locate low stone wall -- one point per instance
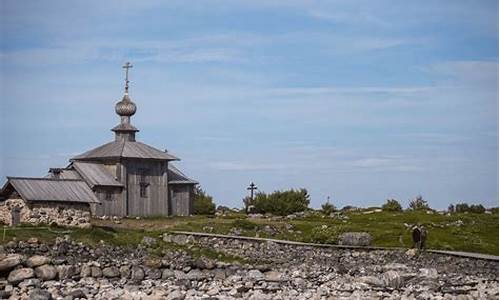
(69, 269)
(62, 214)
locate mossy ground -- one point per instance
(458, 232)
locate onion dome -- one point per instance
(125, 107)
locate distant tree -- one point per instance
(462, 207)
(451, 208)
(392, 205)
(203, 203)
(282, 202)
(327, 208)
(494, 210)
(477, 208)
(418, 204)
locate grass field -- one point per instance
(459, 232)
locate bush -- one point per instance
(473, 208)
(203, 203)
(328, 208)
(392, 205)
(282, 202)
(244, 224)
(451, 208)
(462, 207)
(418, 204)
(325, 234)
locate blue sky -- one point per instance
(357, 100)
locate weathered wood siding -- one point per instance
(181, 199)
(115, 206)
(156, 202)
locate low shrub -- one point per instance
(419, 204)
(392, 205)
(244, 224)
(281, 203)
(203, 203)
(325, 234)
(328, 208)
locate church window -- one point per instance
(143, 183)
(108, 196)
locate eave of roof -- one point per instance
(52, 189)
(125, 149)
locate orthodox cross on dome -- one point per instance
(126, 67)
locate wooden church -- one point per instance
(126, 177)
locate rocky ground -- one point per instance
(169, 269)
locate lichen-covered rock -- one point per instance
(355, 239)
(137, 273)
(67, 271)
(21, 274)
(111, 272)
(46, 272)
(39, 294)
(10, 261)
(37, 260)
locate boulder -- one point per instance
(96, 272)
(274, 276)
(67, 271)
(149, 241)
(125, 271)
(77, 294)
(111, 272)
(19, 275)
(428, 273)
(86, 271)
(37, 260)
(392, 279)
(46, 272)
(10, 262)
(255, 275)
(355, 239)
(39, 294)
(154, 274)
(167, 273)
(137, 273)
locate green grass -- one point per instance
(479, 232)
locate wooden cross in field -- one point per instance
(252, 188)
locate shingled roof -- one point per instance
(175, 176)
(50, 189)
(125, 149)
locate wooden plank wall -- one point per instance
(156, 204)
(181, 200)
(116, 206)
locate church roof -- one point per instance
(50, 189)
(96, 174)
(175, 176)
(124, 149)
